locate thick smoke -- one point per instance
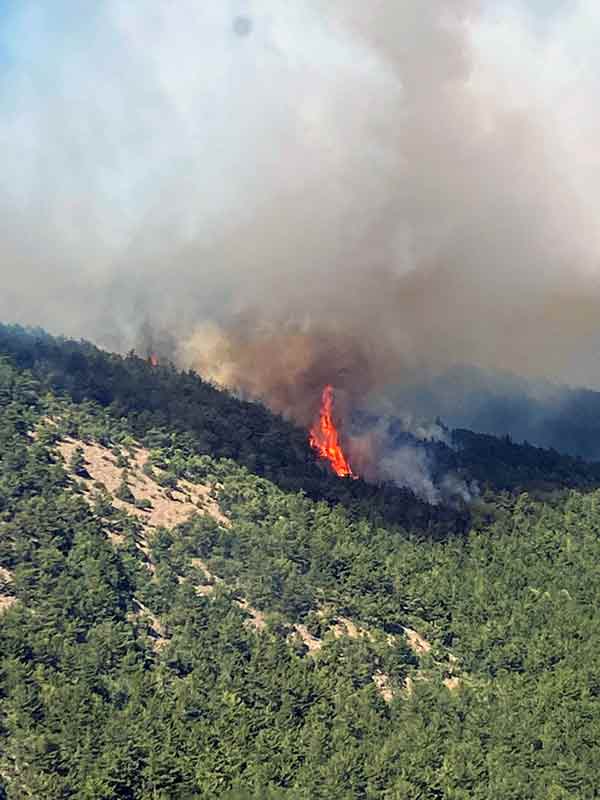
(378, 458)
(401, 450)
(288, 194)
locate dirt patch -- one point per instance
(204, 591)
(313, 643)
(168, 508)
(155, 626)
(164, 507)
(452, 684)
(6, 602)
(5, 576)
(384, 686)
(416, 642)
(344, 627)
(213, 580)
(256, 618)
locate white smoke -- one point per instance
(387, 449)
(410, 467)
(340, 190)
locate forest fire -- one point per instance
(324, 437)
(153, 359)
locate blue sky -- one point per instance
(37, 29)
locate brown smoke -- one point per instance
(285, 366)
(347, 192)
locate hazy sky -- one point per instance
(284, 192)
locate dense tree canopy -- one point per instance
(127, 671)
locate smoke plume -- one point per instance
(402, 450)
(294, 194)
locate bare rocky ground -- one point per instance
(171, 507)
(6, 599)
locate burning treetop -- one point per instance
(324, 437)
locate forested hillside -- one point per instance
(496, 402)
(191, 608)
(207, 421)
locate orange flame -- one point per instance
(324, 437)
(153, 359)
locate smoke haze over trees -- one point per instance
(341, 642)
(346, 189)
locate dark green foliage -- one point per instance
(77, 464)
(118, 682)
(123, 491)
(161, 404)
(121, 461)
(167, 479)
(504, 464)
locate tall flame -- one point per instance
(324, 437)
(153, 359)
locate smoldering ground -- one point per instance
(296, 193)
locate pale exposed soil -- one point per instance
(313, 643)
(210, 576)
(6, 600)
(345, 627)
(169, 507)
(384, 686)
(452, 684)
(205, 590)
(173, 507)
(256, 619)
(5, 576)
(156, 628)
(416, 642)
(420, 647)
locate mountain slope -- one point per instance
(159, 402)
(231, 638)
(497, 403)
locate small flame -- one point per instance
(153, 359)
(324, 437)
